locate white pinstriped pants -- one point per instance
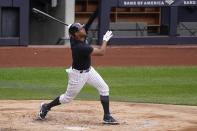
(77, 80)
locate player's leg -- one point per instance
(72, 91)
(75, 84)
(95, 80)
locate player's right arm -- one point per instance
(101, 51)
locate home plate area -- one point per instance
(22, 115)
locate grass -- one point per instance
(167, 85)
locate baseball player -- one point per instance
(82, 72)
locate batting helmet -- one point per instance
(74, 28)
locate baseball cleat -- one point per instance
(108, 119)
(43, 111)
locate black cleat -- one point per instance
(108, 119)
(43, 111)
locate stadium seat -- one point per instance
(120, 29)
(187, 29)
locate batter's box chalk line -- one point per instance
(76, 128)
(146, 125)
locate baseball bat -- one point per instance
(49, 16)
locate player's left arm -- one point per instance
(91, 19)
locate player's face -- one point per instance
(80, 35)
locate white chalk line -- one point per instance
(77, 128)
(81, 128)
(146, 125)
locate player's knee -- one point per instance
(65, 99)
(104, 91)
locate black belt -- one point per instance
(82, 71)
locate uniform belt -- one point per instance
(82, 71)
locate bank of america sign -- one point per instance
(142, 3)
(156, 2)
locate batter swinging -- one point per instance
(82, 72)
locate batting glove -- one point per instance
(107, 36)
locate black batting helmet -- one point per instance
(74, 28)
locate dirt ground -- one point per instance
(87, 115)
